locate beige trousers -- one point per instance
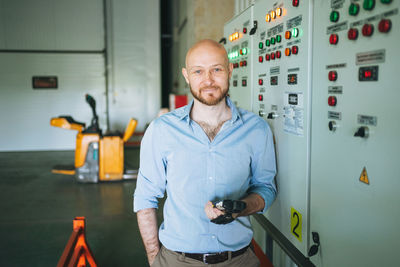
(168, 258)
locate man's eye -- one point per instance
(197, 72)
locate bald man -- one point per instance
(206, 152)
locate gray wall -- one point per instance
(74, 25)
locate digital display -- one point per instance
(274, 80)
(292, 79)
(235, 83)
(367, 74)
(293, 99)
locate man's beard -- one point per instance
(213, 100)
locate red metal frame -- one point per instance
(77, 252)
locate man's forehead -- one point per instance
(206, 50)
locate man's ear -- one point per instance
(185, 74)
(230, 68)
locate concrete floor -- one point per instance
(37, 209)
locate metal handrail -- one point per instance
(298, 258)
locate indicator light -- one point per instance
(260, 45)
(260, 59)
(295, 2)
(260, 97)
(367, 30)
(272, 40)
(334, 17)
(260, 81)
(295, 32)
(369, 4)
(288, 51)
(333, 39)
(236, 65)
(385, 25)
(241, 52)
(244, 51)
(278, 38)
(267, 42)
(273, 15)
(352, 34)
(295, 49)
(244, 83)
(236, 35)
(244, 30)
(278, 12)
(332, 101)
(278, 54)
(245, 63)
(230, 38)
(354, 8)
(241, 63)
(267, 57)
(273, 56)
(288, 34)
(267, 18)
(332, 75)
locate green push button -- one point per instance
(260, 45)
(369, 4)
(278, 38)
(386, 1)
(273, 40)
(354, 9)
(334, 16)
(267, 42)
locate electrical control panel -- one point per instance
(281, 81)
(238, 46)
(323, 75)
(355, 146)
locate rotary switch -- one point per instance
(362, 132)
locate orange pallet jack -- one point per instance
(98, 157)
(77, 252)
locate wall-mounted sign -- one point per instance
(44, 82)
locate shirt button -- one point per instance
(210, 178)
(213, 236)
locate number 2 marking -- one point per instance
(297, 224)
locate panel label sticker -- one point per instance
(371, 57)
(295, 223)
(335, 89)
(293, 113)
(367, 120)
(334, 115)
(364, 176)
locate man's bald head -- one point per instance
(206, 46)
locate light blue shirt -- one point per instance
(177, 157)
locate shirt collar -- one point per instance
(185, 111)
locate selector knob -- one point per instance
(261, 113)
(272, 115)
(332, 126)
(362, 132)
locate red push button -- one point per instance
(273, 56)
(244, 83)
(267, 57)
(368, 30)
(260, 81)
(244, 62)
(278, 54)
(260, 97)
(244, 30)
(352, 34)
(295, 2)
(333, 39)
(332, 101)
(295, 49)
(260, 59)
(241, 63)
(332, 75)
(385, 25)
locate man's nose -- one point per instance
(209, 78)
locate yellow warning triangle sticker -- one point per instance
(364, 176)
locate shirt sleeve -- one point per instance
(151, 179)
(263, 168)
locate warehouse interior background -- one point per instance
(336, 144)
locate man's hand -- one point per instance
(212, 212)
